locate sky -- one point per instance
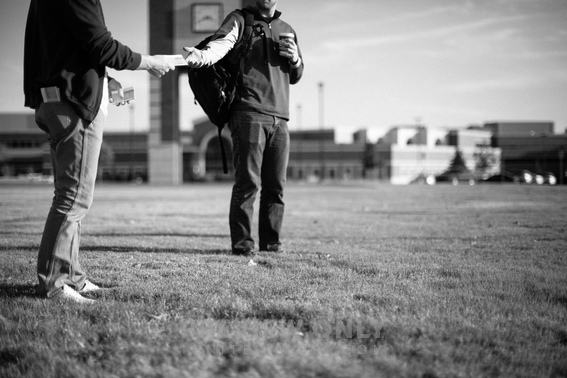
(439, 63)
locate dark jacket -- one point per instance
(67, 45)
(267, 75)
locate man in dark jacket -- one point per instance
(67, 49)
(258, 123)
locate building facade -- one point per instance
(531, 146)
(402, 155)
(407, 153)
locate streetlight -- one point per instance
(299, 141)
(561, 172)
(132, 157)
(321, 86)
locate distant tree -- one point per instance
(458, 163)
(484, 158)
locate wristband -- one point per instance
(296, 64)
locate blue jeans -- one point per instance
(75, 147)
(260, 146)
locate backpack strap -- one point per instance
(248, 27)
(223, 152)
(241, 49)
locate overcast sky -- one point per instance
(443, 63)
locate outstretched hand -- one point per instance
(158, 65)
(194, 58)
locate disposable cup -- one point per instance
(284, 36)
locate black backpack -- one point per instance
(215, 87)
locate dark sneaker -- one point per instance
(244, 253)
(274, 248)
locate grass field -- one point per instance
(376, 281)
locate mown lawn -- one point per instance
(376, 281)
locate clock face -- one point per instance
(206, 17)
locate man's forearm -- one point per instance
(214, 51)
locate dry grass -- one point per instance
(377, 280)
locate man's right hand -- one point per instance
(157, 65)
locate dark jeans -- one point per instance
(260, 153)
(75, 148)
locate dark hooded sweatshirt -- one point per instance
(67, 45)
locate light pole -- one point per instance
(321, 86)
(418, 145)
(561, 172)
(299, 143)
(132, 122)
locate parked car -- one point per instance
(424, 179)
(524, 176)
(502, 177)
(538, 178)
(546, 178)
(527, 177)
(456, 178)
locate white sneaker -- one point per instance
(71, 295)
(89, 287)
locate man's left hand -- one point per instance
(194, 58)
(288, 49)
(115, 86)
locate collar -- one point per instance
(257, 14)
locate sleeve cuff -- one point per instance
(136, 61)
(296, 64)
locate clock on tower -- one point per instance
(206, 17)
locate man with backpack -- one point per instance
(258, 119)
